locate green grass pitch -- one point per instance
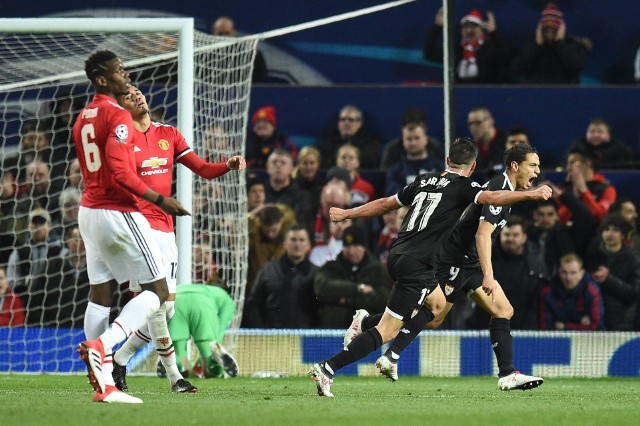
(362, 401)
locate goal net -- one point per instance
(42, 89)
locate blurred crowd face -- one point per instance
(612, 238)
(629, 212)
(297, 244)
(333, 195)
(38, 177)
(34, 140)
(255, 196)
(414, 141)
(75, 244)
(481, 125)
(348, 158)
(354, 253)
(349, 122)
(336, 229)
(74, 174)
(598, 134)
(308, 166)
(279, 167)
(513, 239)
(39, 230)
(570, 274)
(470, 32)
(263, 129)
(224, 27)
(545, 217)
(516, 139)
(271, 232)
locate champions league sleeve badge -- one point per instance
(122, 132)
(495, 210)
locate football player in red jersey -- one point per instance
(117, 236)
(157, 147)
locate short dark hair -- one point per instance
(518, 153)
(297, 227)
(518, 130)
(413, 114)
(516, 220)
(618, 222)
(545, 203)
(463, 151)
(270, 215)
(96, 64)
(617, 205)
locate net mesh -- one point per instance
(42, 89)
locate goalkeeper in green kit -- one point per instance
(204, 312)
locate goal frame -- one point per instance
(185, 29)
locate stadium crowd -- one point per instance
(569, 263)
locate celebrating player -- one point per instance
(465, 265)
(157, 146)
(437, 200)
(117, 236)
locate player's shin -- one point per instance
(408, 333)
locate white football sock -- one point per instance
(136, 341)
(133, 316)
(96, 320)
(164, 345)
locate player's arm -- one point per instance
(372, 208)
(211, 170)
(504, 198)
(483, 245)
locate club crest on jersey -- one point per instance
(163, 144)
(448, 289)
(122, 133)
(495, 210)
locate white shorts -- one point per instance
(119, 246)
(166, 242)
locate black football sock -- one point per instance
(408, 333)
(359, 347)
(502, 343)
(370, 321)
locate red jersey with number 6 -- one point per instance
(103, 138)
(155, 152)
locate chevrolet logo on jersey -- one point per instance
(154, 163)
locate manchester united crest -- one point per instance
(163, 144)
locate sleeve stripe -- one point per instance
(183, 153)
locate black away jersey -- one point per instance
(436, 202)
(461, 243)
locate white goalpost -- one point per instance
(198, 82)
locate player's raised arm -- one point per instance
(372, 208)
(504, 197)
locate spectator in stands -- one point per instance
(265, 138)
(74, 175)
(607, 152)
(255, 193)
(491, 141)
(69, 202)
(616, 269)
(333, 194)
(322, 253)
(281, 189)
(482, 56)
(552, 238)
(415, 160)
(28, 262)
(394, 149)
(38, 190)
(572, 301)
(361, 191)
(585, 197)
(519, 269)
(64, 108)
(350, 130)
(225, 27)
(389, 234)
(11, 309)
(355, 280)
(63, 293)
(627, 209)
(267, 228)
(282, 294)
(554, 57)
(13, 227)
(307, 174)
(35, 144)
